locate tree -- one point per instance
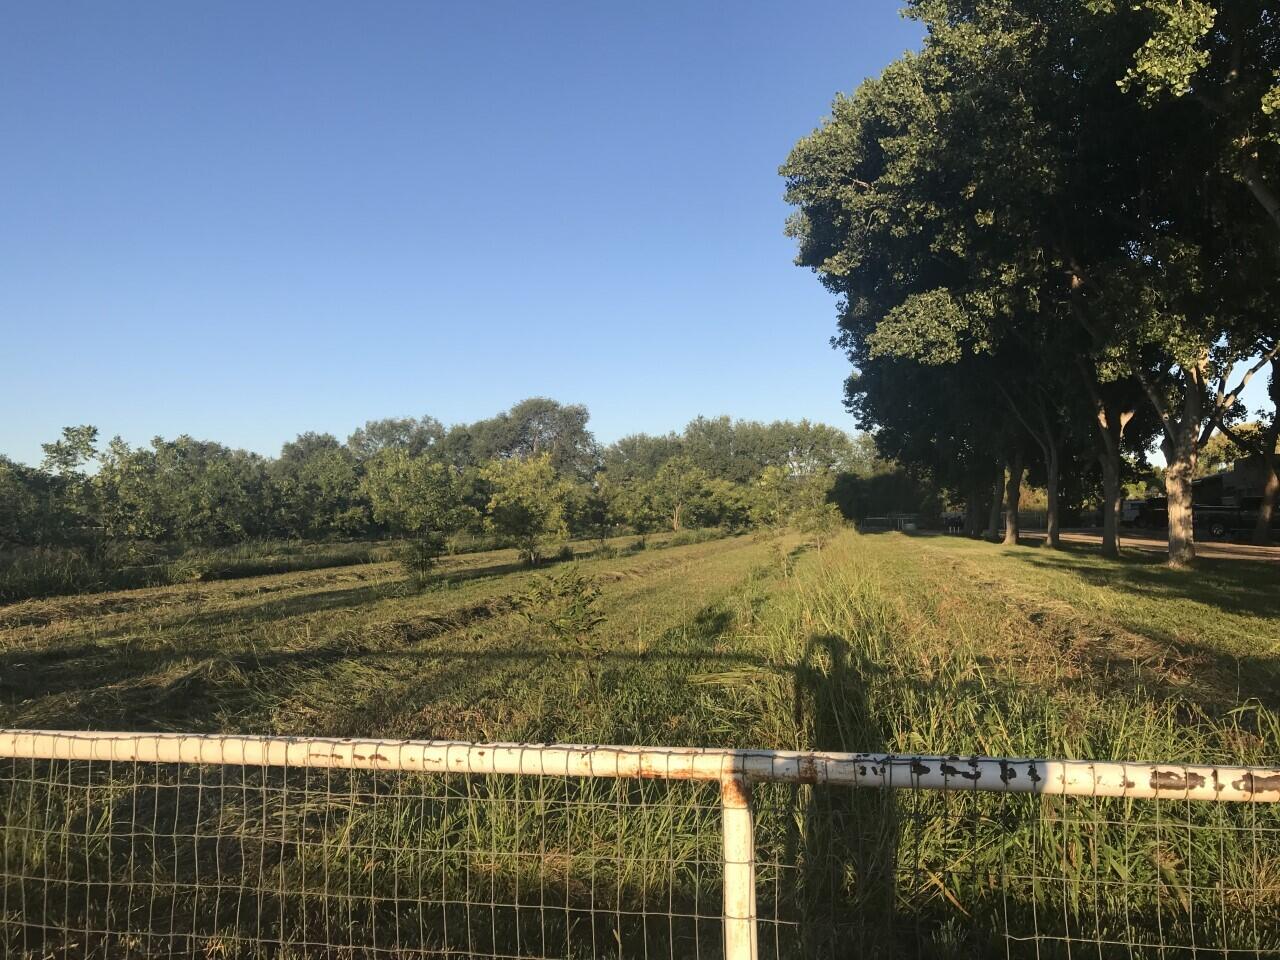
(679, 491)
(1225, 449)
(1225, 58)
(28, 507)
(414, 437)
(527, 503)
(812, 509)
(771, 497)
(76, 448)
(634, 503)
(1001, 195)
(317, 487)
(532, 428)
(417, 499)
(639, 455)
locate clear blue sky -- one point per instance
(245, 220)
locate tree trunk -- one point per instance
(1112, 418)
(1053, 468)
(1271, 490)
(1112, 493)
(1177, 490)
(1013, 497)
(1179, 447)
(997, 501)
(973, 510)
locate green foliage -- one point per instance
(415, 496)
(419, 499)
(563, 606)
(418, 555)
(1020, 244)
(527, 504)
(679, 492)
(813, 512)
(1171, 56)
(76, 448)
(470, 487)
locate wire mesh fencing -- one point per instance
(132, 845)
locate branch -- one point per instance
(1240, 440)
(1021, 419)
(1261, 191)
(1166, 420)
(1225, 401)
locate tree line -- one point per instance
(530, 476)
(1054, 235)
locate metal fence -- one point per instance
(133, 845)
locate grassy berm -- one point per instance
(881, 643)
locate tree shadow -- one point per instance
(1248, 587)
(1218, 678)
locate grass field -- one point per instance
(876, 643)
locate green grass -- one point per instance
(881, 643)
(52, 571)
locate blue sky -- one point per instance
(242, 221)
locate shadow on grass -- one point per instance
(845, 843)
(1247, 587)
(1236, 587)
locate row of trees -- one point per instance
(531, 476)
(1054, 233)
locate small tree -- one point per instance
(679, 491)
(64, 458)
(633, 502)
(527, 504)
(812, 511)
(563, 606)
(770, 498)
(419, 500)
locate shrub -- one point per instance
(562, 606)
(418, 555)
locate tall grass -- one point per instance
(875, 644)
(887, 661)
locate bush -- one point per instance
(682, 538)
(418, 555)
(45, 571)
(562, 606)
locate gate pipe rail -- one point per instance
(1023, 775)
(733, 770)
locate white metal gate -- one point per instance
(135, 844)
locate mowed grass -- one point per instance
(358, 651)
(882, 643)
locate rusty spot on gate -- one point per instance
(736, 792)
(919, 769)
(1175, 780)
(1253, 783)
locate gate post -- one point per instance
(740, 937)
